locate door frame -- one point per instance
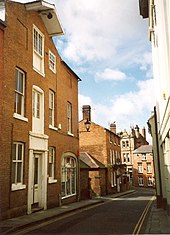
(43, 193)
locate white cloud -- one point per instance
(110, 75)
(100, 29)
(127, 109)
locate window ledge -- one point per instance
(70, 195)
(18, 187)
(51, 180)
(53, 128)
(42, 74)
(69, 133)
(20, 117)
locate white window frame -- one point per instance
(52, 62)
(140, 181)
(124, 157)
(113, 178)
(51, 108)
(69, 176)
(69, 118)
(20, 92)
(149, 167)
(144, 158)
(128, 157)
(150, 181)
(17, 184)
(51, 162)
(140, 168)
(38, 51)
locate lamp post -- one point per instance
(87, 124)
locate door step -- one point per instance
(36, 209)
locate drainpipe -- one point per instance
(157, 146)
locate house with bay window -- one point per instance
(39, 112)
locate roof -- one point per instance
(71, 70)
(48, 13)
(143, 149)
(90, 161)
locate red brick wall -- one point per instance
(145, 175)
(18, 52)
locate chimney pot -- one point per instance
(86, 109)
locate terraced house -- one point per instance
(39, 119)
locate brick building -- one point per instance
(129, 142)
(143, 167)
(39, 99)
(104, 146)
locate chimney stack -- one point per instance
(113, 127)
(86, 109)
(137, 131)
(143, 132)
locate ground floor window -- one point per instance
(140, 181)
(150, 181)
(68, 176)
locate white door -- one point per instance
(37, 179)
(37, 112)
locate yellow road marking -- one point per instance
(142, 217)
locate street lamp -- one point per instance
(87, 124)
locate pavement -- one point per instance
(158, 221)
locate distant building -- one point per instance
(129, 141)
(39, 146)
(143, 167)
(103, 145)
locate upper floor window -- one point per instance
(19, 103)
(123, 144)
(149, 169)
(69, 117)
(144, 157)
(38, 50)
(52, 61)
(51, 108)
(17, 165)
(140, 169)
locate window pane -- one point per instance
(14, 152)
(13, 172)
(19, 165)
(19, 152)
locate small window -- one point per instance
(69, 117)
(140, 169)
(140, 181)
(17, 164)
(123, 144)
(149, 169)
(51, 108)
(144, 157)
(52, 61)
(150, 181)
(51, 163)
(19, 104)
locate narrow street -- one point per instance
(125, 215)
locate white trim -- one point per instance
(52, 180)
(53, 128)
(20, 117)
(15, 187)
(69, 133)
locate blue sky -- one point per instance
(106, 44)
